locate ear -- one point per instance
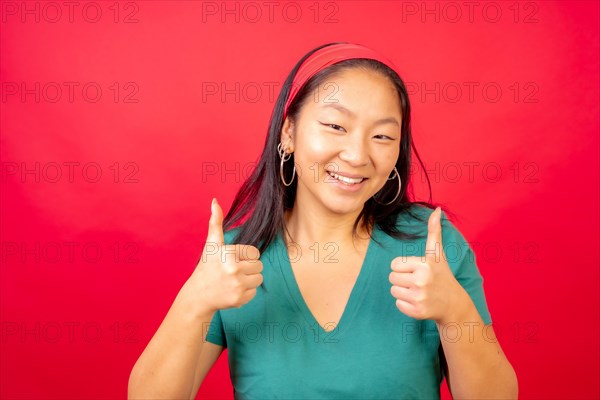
(287, 133)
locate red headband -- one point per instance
(327, 56)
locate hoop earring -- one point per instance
(284, 157)
(397, 194)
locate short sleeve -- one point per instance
(463, 263)
(469, 277)
(216, 333)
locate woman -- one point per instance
(336, 285)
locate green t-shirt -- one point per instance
(277, 350)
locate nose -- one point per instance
(355, 152)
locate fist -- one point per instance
(227, 275)
(425, 287)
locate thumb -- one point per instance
(433, 247)
(215, 225)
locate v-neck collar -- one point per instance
(356, 295)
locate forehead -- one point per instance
(365, 92)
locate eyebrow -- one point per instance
(342, 109)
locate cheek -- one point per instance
(313, 149)
(385, 162)
(386, 157)
(316, 142)
(392, 157)
(392, 164)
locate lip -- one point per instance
(345, 175)
(348, 188)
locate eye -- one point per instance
(333, 126)
(385, 136)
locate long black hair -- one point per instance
(264, 198)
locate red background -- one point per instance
(73, 328)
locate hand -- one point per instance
(227, 275)
(426, 289)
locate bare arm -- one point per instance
(175, 361)
(208, 356)
(167, 367)
(474, 363)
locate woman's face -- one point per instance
(350, 127)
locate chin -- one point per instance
(344, 208)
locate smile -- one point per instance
(344, 180)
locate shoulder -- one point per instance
(416, 220)
(231, 234)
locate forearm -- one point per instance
(477, 366)
(167, 365)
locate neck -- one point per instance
(307, 226)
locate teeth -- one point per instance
(343, 179)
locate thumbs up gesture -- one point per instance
(227, 275)
(425, 287)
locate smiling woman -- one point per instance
(338, 284)
(347, 112)
(358, 137)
